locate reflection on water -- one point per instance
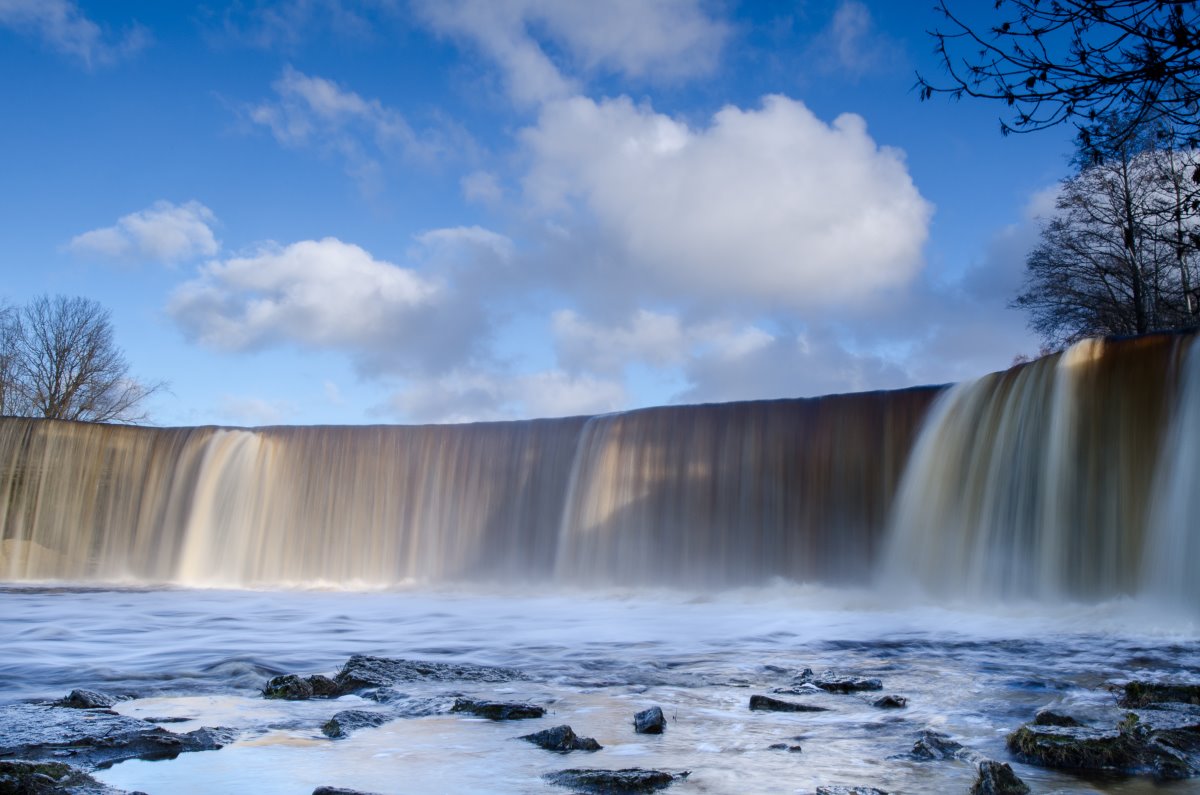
(594, 660)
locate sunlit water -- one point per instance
(595, 659)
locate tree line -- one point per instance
(1121, 253)
(59, 360)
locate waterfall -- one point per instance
(1040, 481)
(1074, 476)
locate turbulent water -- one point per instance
(1025, 539)
(595, 658)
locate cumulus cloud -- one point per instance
(164, 232)
(535, 42)
(63, 25)
(314, 112)
(771, 207)
(331, 295)
(480, 395)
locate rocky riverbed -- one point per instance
(528, 694)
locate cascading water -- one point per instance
(1040, 481)
(1074, 475)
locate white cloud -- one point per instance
(286, 25)
(479, 396)
(365, 133)
(498, 245)
(164, 232)
(851, 44)
(326, 294)
(654, 338)
(482, 187)
(64, 26)
(769, 207)
(535, 41)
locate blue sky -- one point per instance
(339, 211)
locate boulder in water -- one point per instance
(1049, 717)
(934, 746)
(497, 710)
(49, 778)
(339, 791)
(768, 704)
(94, 738)
(997, 778)
(630, 780)
(562, 739)
(650, 721)
(289, 687)
(832, 682)
(362, 671)
(1141, 694)
(890, 702)
(348, 720)
(849, 791)
(86, 699)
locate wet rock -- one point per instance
(806, 689)
(361, 672)
(1140, 694)
(784, 747)
(339, 791)
(849, 791)
(831, 682)
(997, 778)
(1048, 717)
(768, 704)
(94, 738)
(86, 699)
(50, 778)
(650, 721)
(1162, 741)
(931, 745)
(323, 687)
(562, 739)
(890, 702)
(289, 687)
(614, 782)
(348, 720)
(497, 710)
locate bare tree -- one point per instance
(1053, 61)
(65, 365)
(8, 342)
(1117, 257)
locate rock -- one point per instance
(338, 791)
(86, 699)
(650, 721)
(497, 710)
(931, 745)
(1048, 717)
(94, 738)
(562, 739)
(766, 703)
(361, 672)
(49, 778)
(1141, 694)
(784, 747)
(289, 687)
(323, 687)
(849, 791)
(1164, 743)
(614, 782)
(890, 702)
(831, 682)
(997, 778)
(348, 720)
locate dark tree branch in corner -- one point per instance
(1079, 61)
